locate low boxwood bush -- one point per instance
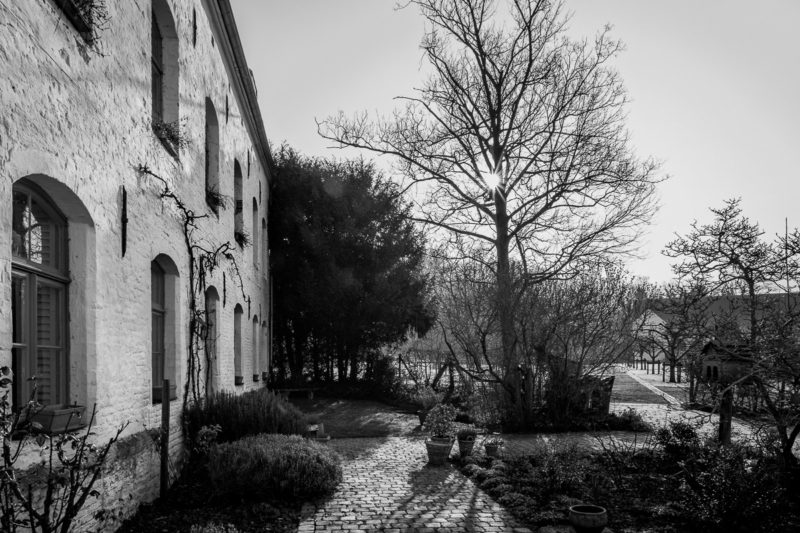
(240, 415)
(274, 465)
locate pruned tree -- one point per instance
(516, 146)
(569, 332)
(681, 331)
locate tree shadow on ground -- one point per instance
(441, 493)
(358, 418)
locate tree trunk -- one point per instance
(726, 415)
(505, 302)
(341, 362)
(353, 366)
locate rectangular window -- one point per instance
(38, 307)
(157, 61)
(158, 326)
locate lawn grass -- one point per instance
(628, 390)
(358, 418)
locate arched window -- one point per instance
(264, 350)
(164, 71)
(264, 245)
(213, 197)
(212, 335)
(164, 325)
(237, 344)
(238, 217)
(39, 288)
(254, 350)
(255, 233)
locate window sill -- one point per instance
(168, 145)
(79, 19)
(158, 396)
(214, 201)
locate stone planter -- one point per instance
(438, 450)
(588, 518)
(57, 420)
(465, 446)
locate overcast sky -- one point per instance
(714, 88)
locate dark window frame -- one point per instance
(157, 69)
(25, 333)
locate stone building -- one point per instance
(107, 106)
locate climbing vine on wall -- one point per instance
(204, 259)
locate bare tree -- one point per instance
(569, 332)
(681, 332)
(516, 142)
(731, 255)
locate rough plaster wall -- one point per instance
(83, 119)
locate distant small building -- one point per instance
(726, 363)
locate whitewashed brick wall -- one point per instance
(78, 123)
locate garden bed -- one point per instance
(190, 506)
(643, 489)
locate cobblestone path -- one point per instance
(388, 487)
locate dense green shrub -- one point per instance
(732, 489)
(627, 420)
(277, 465)
(426, 398)
(679, 440)
(559, 470)
(239, 415)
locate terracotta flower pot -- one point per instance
(438, 450)
(492, 450)
(588, 518)
(465, 446)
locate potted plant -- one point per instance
(492, 445)
(317, 432)
(427, 399)
(588, 518)
(466, 440)
(57, 419)
(439, 423)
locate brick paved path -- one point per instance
(388, 487)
